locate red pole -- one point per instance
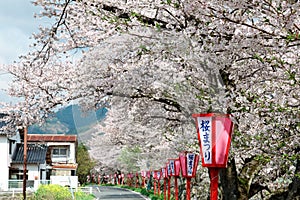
(165, 188)
(154, 187)
(136, 181)
(143, 181)
(169, 188)
(188, 188)
(214, 178)
(158, 185)
(176, 188)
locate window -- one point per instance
(59, 152)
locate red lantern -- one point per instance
(188, 162)
(177, 167)
(169, 172)
(174, 165)
(157, 176)
(143, 174)
(164, 172)
(137, 179)
(148, 174)
(129, 177)
(214, 135)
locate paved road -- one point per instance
(112, 193)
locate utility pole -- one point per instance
(25, 163)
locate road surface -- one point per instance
(112, 193)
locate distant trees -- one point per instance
(85, 163)
(129, 159)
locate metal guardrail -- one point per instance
(16, 188)
(18, 184)
(13, 192)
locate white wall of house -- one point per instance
(71, 181)
(33, 170)
(4, 162)
(71, 158)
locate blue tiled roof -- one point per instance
(36, 153)
(2, 123)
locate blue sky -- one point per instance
(17, 25)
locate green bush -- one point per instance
(137, 190)
(52, 192)
(83, 196)
(57, 192)
(145, 192)
(156, 197)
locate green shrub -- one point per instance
(52, 192)
(57, 192)
(139, 190)
(156, 197)
(144, 192)
(83, 196)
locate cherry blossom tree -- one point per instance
(154, 63)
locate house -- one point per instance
(4, 157)
(49, 156)
(36, 154)
(60, 159)
(4, 161)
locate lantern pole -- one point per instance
(164, 175)
(176, 187)
(136, 179)
(188, 188)
(175, 171)
(188, 162)
(214, 178)
(165, 189)
(143, 179)
(177, 174)
(157, 176)
(169, 188)
(158, 185)
(154, 186)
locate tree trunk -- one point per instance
(294, 187)
(229, 181)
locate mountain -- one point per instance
(69, 120)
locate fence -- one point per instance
(16, 187)
(18, 184)
(87, 190)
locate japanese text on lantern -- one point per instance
(190, 163)
(163, 171)
(169, 169)
(172, 165)
(206, 138)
